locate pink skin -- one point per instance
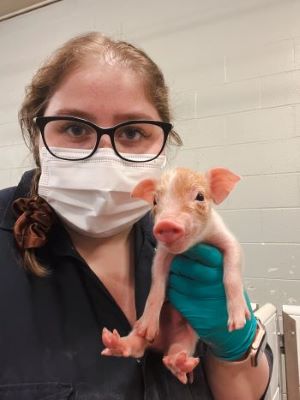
(182, 219)
(177, 340)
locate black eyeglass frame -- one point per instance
(42, 121)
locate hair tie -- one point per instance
(35, 218)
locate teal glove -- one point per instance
(196, 290)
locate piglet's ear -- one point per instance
(145, 190)
(221, 182)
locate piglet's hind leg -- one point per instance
(181, 365)
(181, 339)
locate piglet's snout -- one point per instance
(167, 231)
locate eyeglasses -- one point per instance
(128, 139)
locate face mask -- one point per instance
(92, 196)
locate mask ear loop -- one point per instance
(164, 164)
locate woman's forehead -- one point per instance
(102, 90)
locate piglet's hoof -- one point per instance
(115, 345)
(181, 365)
(237, 317)
(131, 345)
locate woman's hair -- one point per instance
(70, 56)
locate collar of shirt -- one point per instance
(8, 218)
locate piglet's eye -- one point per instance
(154, 201)
(199, 197)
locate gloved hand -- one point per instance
(196, 290)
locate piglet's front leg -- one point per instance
(236, 304)
(148, 325)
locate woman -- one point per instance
(76, 250)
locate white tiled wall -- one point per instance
(233, 68)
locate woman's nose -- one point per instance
(105, 142)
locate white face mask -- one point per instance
(92, 196)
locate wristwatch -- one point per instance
(254, 352)
(258, 345)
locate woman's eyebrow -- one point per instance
(75, 113)
(121, 117)
(134, 116)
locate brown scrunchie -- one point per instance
(35, 218)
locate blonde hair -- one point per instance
(71, 55)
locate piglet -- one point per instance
(183, 214)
